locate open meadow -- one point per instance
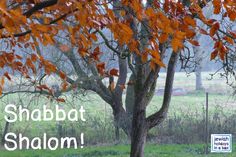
(182, 131)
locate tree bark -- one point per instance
(139, 129)
(198, 70)
(198, 74)
(138, 138)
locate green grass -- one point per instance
(97, 111)
(151, 150)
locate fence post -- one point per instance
(206, 127)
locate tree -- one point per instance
(143, 35)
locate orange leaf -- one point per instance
(41, 28)
(194, 42)
(189, 21)
(233, 34)
(7, 76)
(217, 6)
(3, 8)
(176, 44)
(214, 54)
(144, 57)
(180, 35)
(229, 40)
(30, 64)
(64, 86)
(163, 38)
(101, 68)
(96, 53)
(60, 100)
(114, 72)
(62, 75)
(190, 33)
(214, 29)
(2, 81)
(222, 52)
(232, 15)
(41, 87)
(34, 57)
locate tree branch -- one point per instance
(107, 43)
(37, 7)
(160, 115)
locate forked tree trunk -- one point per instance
(141, 124)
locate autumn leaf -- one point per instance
(233, 33)
(96, 54)
(232, 15)
(114, 72)
(64, 86)
(101, 67)
(62, 75)
(229, 40)
(7, 76)
(214, 29)
(214, 54)
(180, 35)
(176, 44)
(222, 52)
(2, 81)
(42, 87)
(9, 57)
(217, 6)
(3, 8)
(194, 42)
(163, 38)
(189, 21)
(34, 57)
(60, 100)
(190, 33)
(30, 64)
(144, 57)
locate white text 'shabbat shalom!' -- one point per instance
(15, 113)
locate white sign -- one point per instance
(221, 143)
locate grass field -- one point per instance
(99, 125)
(120, 151)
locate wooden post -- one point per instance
(206, 127)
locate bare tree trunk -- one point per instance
(198, 70)
(139, 133)
(198, 74)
